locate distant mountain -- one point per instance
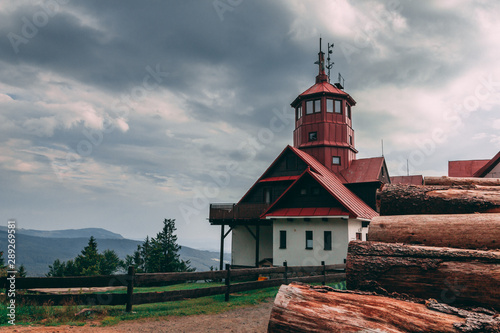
(36, 253)
(69, 233)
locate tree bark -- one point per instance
(301, 308)
(454, 181)
(411, 199)
(466, 231)
(458, 276)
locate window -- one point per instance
(338, 108)
(348, 111)
(299, 112)
(328, 240)
(329, 105)
(358, 236)
(315, 190)
(313, 136)
(282, 239)
(291, 162)
(309, 240)
(303, 191)
(350, 140)
(336, 160)
(267, 195)
(309, 107)
(317, 105)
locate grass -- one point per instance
(111, 315)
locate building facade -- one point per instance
(315, 197)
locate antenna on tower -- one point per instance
(382, 147)
(329, 64)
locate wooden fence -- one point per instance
(276, 276)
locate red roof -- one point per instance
(323, 87)
(352, 203)
(277, 179)
(488, 166)
(322, 211)
(408, 180)
(465, 168)
(356, 207)
(363, 170)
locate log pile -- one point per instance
(458, 276)
(301, 308)
(463, 231)
(435, 245)
(438, 199)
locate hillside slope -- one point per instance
(37, 253)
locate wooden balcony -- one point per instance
(228, 213)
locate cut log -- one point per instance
(411, 199)
(301, 308)
(466, 231)
(458, 276)
(453, 181)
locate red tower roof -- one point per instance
(322, 88)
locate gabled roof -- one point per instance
(488, 166)
(356, 207)
(465, 168)
(363, 170)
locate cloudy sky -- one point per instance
(118, 114)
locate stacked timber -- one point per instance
(463, 231)
(458, 276)
(301, 308)
(445, 196)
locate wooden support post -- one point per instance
(257, 245)
(324, 273)
(228, 282)
(221, 262)
(285, 274)
(130, 288)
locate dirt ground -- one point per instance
(249, 319)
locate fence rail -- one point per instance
(277, 276)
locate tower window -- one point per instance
(317, 106)
(350, 140)
(348, 107)
(309, 239)
(336, 160)
(329, 105)
(282, 239)
(299, 112)
(313, 136)
(309, 107)
(338, 106)
(328, 240)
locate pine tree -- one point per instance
(21, 272)
(110, 262)
(164, 251)
(88, 262)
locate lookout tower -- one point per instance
(323, 121)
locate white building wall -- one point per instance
(296, 253)
(494, 173)
(356, 226)
(243, 245)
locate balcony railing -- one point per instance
(231, 211)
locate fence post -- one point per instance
(228, 282)
(130, 288)
(324, 272)
(285, 274)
